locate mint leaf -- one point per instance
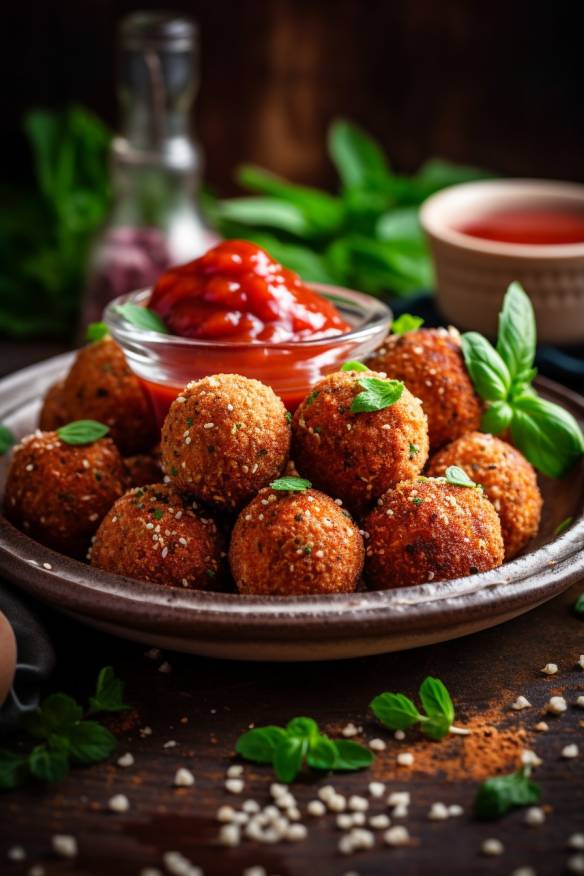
(14, 770)
(304, 728)
(288, 758)
(395, 710)
(354, 366)
(436, 699)
(90, 742)
(291, 483)
(82, 432)
(486, 368)
(96, 331)
(109, 693)
(378, 395)
(48, 765)
(406, 323)
(547, 435)
(260, 743)
(322, 753)
(57, 713)
(351, 755)
(7, 439)
(498, 795)
(517, 334)
(359, 160)
(457, 476)
(141, 318)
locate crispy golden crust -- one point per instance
(154, 534)
(357, 457)
(58, 493)
(426, 530)
(100, 386)
(143, 469)
(430, 363)
(291, 544)
(508, 479)
(54, 412)
(225, 437)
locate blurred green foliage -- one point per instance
(45, 233)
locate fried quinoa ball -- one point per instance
(294, 544)
(357, 456)
(427, 529)
(154, 534)
(225, 437)
(430, 363)
(100, 386)
(58, 493)
(507, 478)
(54, 412)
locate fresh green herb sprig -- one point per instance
(354, 366)
(498, 795)
(301, 742)
(141, 317)
(96, 331)
(399, 712)
(377, 394)
(291, 484)
(405, 323)
(457, 476)
(64, 735)
(7, 440)
(82, 432)
(547, 435)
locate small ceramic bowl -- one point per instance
(473, 273)
(166, 363)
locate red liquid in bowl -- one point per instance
(545, 226)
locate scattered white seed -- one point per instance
(575, 864)
(326, 792)
(576, 841)
(405, 758)
(295, 833)
(145, 731)
(399, 798)
(16, 853)
(39, 870)
(316, 808)
(580, 661)
(358, 804)
(257, 870)
(251, 806)
(47, 566)
(550, 669)
(570, 751)
(165, 667)
(534, 816)
(492, 847)
(126, 760)
(235, 771)
(350, 730)
(118, 803)
(438, 812)
(530, 758)
(556, 705)
(580, 702)
(397, 836)
(377, 745)
(225, 814)
(455, 810)
(172, 743)
(542, 727)
(234, 786)
(524, 871)
(64, 845)
(521, 703)
(230, 835)
(336, 803)
(399, 735)
(183, 778)
(380, 822)
(153, 653)
(376, 789)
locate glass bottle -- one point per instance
(155, 221)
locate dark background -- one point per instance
(494, 84)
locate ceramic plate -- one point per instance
(293, 628)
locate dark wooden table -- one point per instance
(204, 704)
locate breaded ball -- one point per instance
(58, 493)
(225, 437)
(430, 363)
(143, 469)
(357, 456)
(54, 412)
(100, 386)
(427, 529)
(295, 544)
(154, 534)
(507, 478)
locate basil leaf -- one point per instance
(498, 795)
(57, 713)
(354, 366)
(436, 699)
(141, 317)
(268, 212)
(14, 770)
(517, 334)
(579, 605)
(405, 323)
(497, 417)
(90, 742)
(291, 483)
(288, 758)
(351, 755)
(82, 432)
(260, 743)
(458, 477)
(7, 439)
(487, 370)
(359, 160)
(50, 766)
(322, 753)
(401, 227)
(547, 435)
(563, 526)
(304, 728)
(96, 331)
(109, 693)
(379, 394)
(395, 710)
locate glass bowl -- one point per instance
(166, 363)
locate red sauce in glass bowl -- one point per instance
(237, 292)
